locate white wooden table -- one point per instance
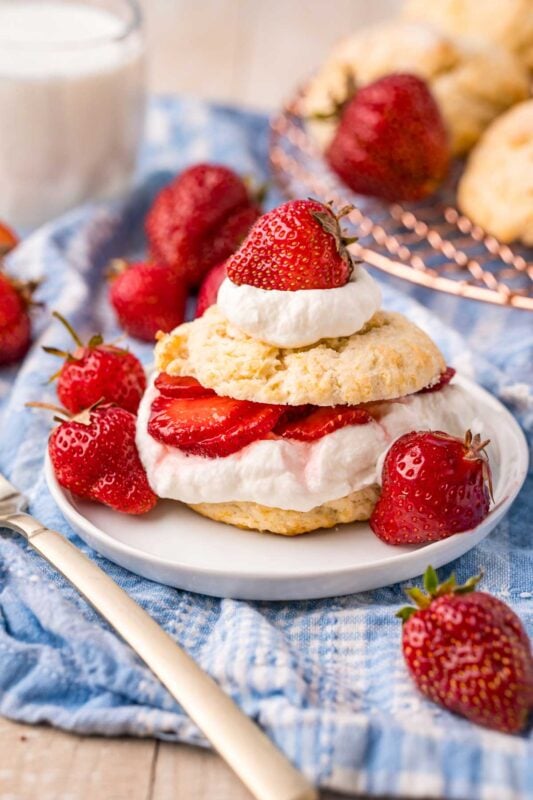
(251, 52)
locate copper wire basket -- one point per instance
(429, 243)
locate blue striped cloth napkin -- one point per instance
(324, 678)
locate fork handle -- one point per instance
(262, 767)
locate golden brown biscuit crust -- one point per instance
(389, 357)
(496, 189)
(357, 506)
(510, 23)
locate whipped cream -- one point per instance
(303, 317)
(288, 474)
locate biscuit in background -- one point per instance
(506, 22)
(496, 189)
(472, 80)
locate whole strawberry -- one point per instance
(199, 220)
(94, 456)
(207, 294)
(15, 325)
(147, 298)
(469, 652)
(433, 485)
(391, 141)
(98, 372)
(298, 245)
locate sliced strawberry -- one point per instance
(444, 379)
(321, 421)
(210, 425)
(293, 413)
(181, 386)
(185, 421)
(256, 425)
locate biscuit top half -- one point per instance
(389, 357)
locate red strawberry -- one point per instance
(469, 652)
(94, 456)
(8, 240)
(320, 421)
(98, 372)
(444, 380)
(199, 220)
(15, 326)
(391, 141)
(207, 294)
(210, 426)
(147, 298)
(181, 386)
(298, 245)
(433, 485)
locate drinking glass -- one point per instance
(71, 104)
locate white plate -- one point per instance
(176, 546)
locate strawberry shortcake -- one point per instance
(275, 409)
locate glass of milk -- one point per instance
(71, 104)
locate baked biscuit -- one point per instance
(472, 81)
(496, 189)
(389, 357)
(356, 507)
(507, 22)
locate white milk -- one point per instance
(71, 106)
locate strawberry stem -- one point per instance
(329, 219)
(50, 407)
(54, 351)
(256, 191)
(25, 290)
(338, 105)
(476, 451)
(69, 327)
(95, 340)
(115, 268)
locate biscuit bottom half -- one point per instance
(356, 507)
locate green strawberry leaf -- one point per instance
(469, 585)
(431, 580)
(447, 587)
(419, 597)
(406, 613)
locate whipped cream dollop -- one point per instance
(303, 317)
(288, 474)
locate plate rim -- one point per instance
(67, 507)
